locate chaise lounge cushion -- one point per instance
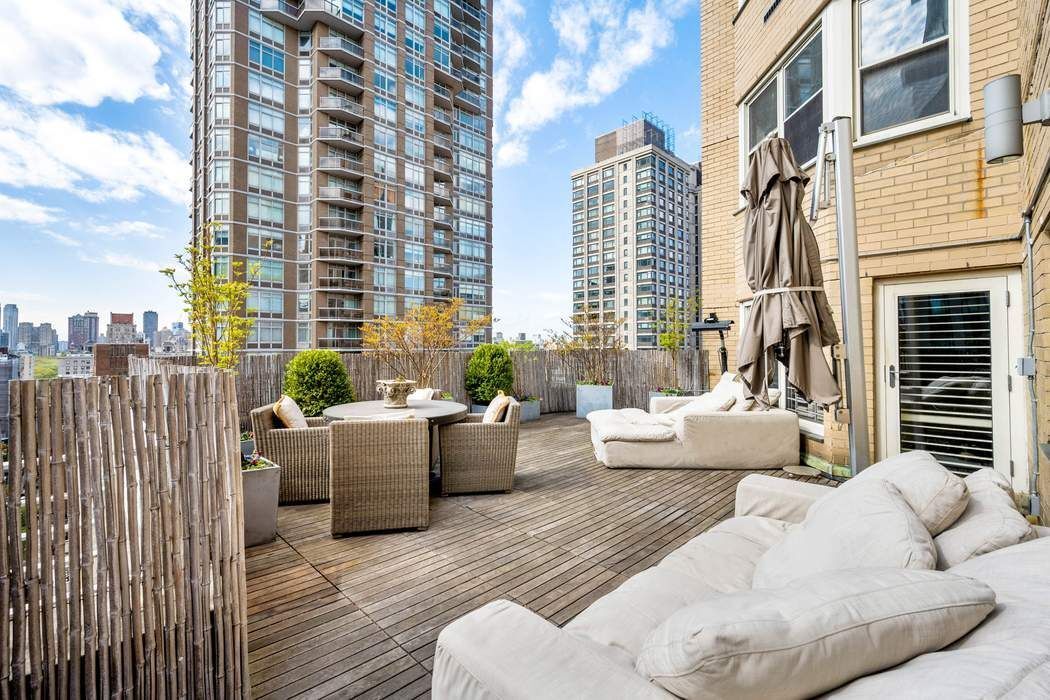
(861, 523)
(720, 560)
(936, 495)
(1008, 656)
(807, 638)
(991, 521)
(630, 425)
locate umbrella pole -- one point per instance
(849, 289)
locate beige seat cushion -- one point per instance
(991, 521)
(497, 409)
(289, 414)
(720, 560)
(1007, 656)
(936, 495)
(812, 636)
(862, 523)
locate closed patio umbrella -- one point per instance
(790, 316)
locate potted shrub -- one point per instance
(247, 443)
(317, 379)
(590, 349)
(260, 484)
(488, 372)
(673, 329)
(530, 407)
(666, 391)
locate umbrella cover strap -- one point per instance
(782, 290)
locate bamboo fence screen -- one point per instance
(539, 373)
(122, 563)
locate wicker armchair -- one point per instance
(476, 456)
(380, 475)
(302, 455)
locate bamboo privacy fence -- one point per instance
(539, 373)
(123, 555)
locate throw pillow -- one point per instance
(936, 495)
(866, 523)
(497, 409)
(705, 403)
(822, 631)
(288, 413)
(425, 394)
(991, 521)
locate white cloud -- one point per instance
(510, 46)
(63, 239)
(84, 51)
(601, 43)
(122, 260)
(48, 148)
(13, 209)
(126, 229)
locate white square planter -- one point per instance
(260, 488)
(592, 397)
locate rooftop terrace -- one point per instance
(360, 616)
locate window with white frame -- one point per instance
(790, 102)
(904, 62)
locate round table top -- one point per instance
(437, 412)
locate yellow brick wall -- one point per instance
(926, 203)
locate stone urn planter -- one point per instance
(260, 484)
(530, 410)
(395, 392)
(593, 397)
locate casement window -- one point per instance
(790, 102)
(911, 60)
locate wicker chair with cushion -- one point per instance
(478, 456)
(302, 455)
(380, 475)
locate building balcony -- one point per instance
(472, 56)
(442, 143)
(472, 101)
(341, 107)
(442, 268)
(304, 14)
(473, 15)
(354, 284)
(336, 165)
(340, 136)
(339, 343)
(340, 313)
(442, 168)
(340, 195)
(340, 224)
(442, 241)
(442, 118)
(342, 49)
(340, 253)
(443, 191)
(449, 74)
(342, 78)
(442, 93)
(442, 217)
(442, 292)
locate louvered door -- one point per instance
(945, 364)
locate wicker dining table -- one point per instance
(436, 412)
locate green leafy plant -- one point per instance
(317, 379)
(255, 461)
(489, 371)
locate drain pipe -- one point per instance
(1026, 217)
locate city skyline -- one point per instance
(106, 222)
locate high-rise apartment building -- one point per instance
(149, 327)
(121, 329)
(10, 368)
(635, 231)
(82, 331)
(342, 156)
(10, 323)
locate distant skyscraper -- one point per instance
(24, 336)
(149, 327)
(83, 331)
(635, 232)
(10, 323)
(121, 329)
(344, 150)
(9, 369)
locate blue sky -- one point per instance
(94, 144)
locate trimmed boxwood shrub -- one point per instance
(317, 379)
(489, 371)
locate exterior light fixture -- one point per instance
(1004, 115)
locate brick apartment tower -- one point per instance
(635, 231)
(343, 151)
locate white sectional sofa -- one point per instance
(719, 430)
(505, 651)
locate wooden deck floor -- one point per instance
(359, 616)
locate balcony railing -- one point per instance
(442, 241)
(443, 165)
(340, 44)
(442, 117)
(340, 74)
(332, 102)
(442, 190)
(443, 141)
(339, 133)
(345, 16)
(341, 164)
(337, 223)
(340, 313)
(442, 91)
(340, 193)
(354, 283)
(442, 215)
(337, 252)
(339, 343)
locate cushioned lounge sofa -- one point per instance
(904, 516)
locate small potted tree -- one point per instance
(317, 379)
(488, 372)
(260, 484)
(673, 326)
(590, 350)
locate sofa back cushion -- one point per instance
(936, 495)
(861, 523)
(804, 639)
(705, 403)
(991, 521)
(288, 413)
